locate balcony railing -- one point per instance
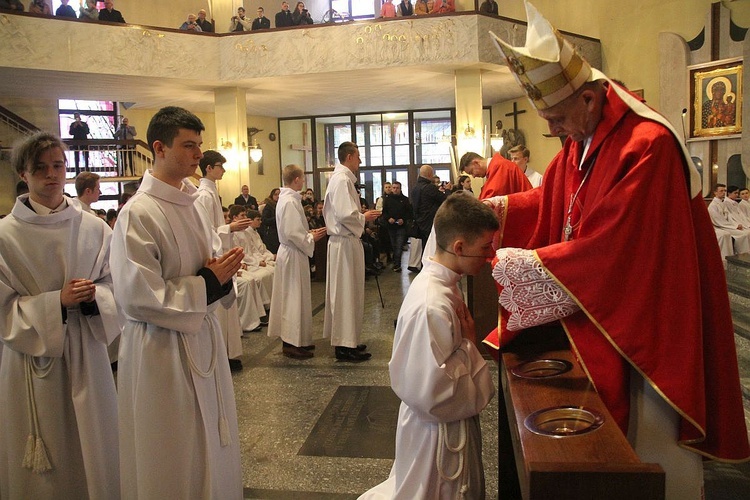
(108, 158)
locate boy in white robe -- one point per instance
(345, 272)
(291, 309)
(259, 261)
(437, 371)
(58, 403)
(212, 168)
(177, 414)
(252, 298)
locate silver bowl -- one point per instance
(563, 421)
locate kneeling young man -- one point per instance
(435, 368)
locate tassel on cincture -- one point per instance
(41, 460)
(28, 456)
(224, 437)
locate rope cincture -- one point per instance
(224, 434)
(35, 456)
(461, 472)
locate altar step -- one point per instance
(738, 284)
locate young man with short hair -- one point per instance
(87, 189)
(436, 369)
(252, 297)
(177, 411)
(345, 279)
(58, 401)
(291, 311)
(261, 22)
(520, 155)
(212, 168)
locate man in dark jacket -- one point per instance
(246, 199)
(284, 17)
(426, 200)
(206, 25)
(261, 22)
(396, 215)
(108, 13)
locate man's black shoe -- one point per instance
(264, 321)
(291, 351)
(350, 354)
(413, 269)
(235, 365)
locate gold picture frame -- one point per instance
(716, 94)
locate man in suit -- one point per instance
(246, 199)
(261, 22)
(284, 16)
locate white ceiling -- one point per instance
(301, 95)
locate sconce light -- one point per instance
(469, 132)
(255, 152)
(225, 145)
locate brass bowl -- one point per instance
(563, 421)
(542, 368)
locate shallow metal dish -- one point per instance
(542, 368)
(563, 421)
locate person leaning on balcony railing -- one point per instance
(405, 9)
(11, 5)
(206, 25)
(301, 16)
(422, 7)
(108, 13)
(40, 7)
(65, 10)
(240, 22)
(191, 24)
(89, 12)
(488, 7)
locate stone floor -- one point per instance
(319, 429)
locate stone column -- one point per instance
(468, 89)
(231, 127)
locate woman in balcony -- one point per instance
(301, 16)
(422, 7)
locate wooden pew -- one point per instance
(596, 465)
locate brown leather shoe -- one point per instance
(292, 351)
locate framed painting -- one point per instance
(716, 96)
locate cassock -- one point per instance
(534, 177)
(503, 177)
(723, 218)
(56, 384)
(178, 420)
(656, 312)
(443, 383)
(229, 317)
(255, 253)
(345, 273)
(291, 308)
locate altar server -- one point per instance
(58, 403)
(435, 368)
(291, 311)
(178, 421)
